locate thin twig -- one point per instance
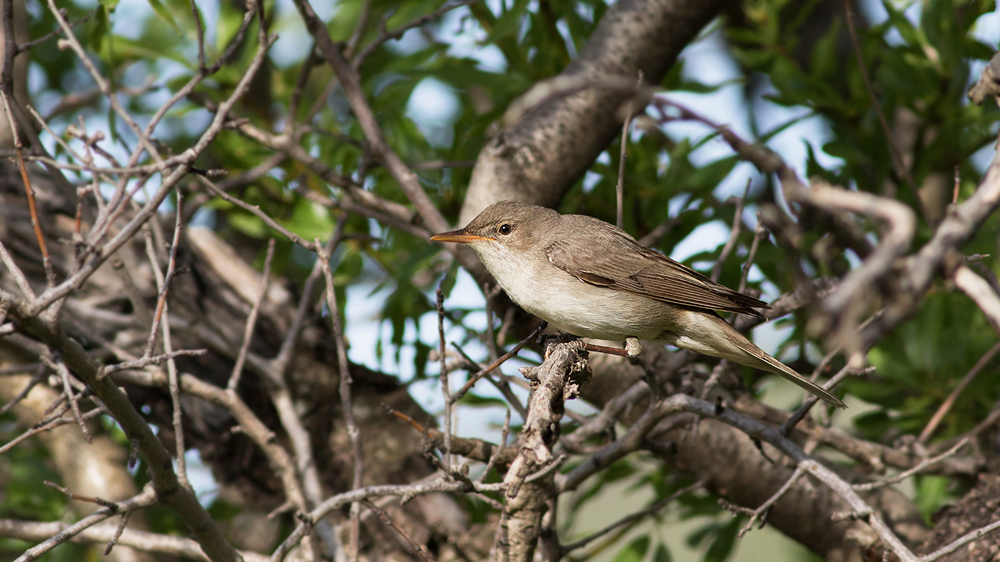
(759, 233)
(234, 378)
(734, 234)
(144, 499)
(174, 386)
(484, 371)
(950, 401)
(504, 432)
(113, 506)
(906, 474)
(501, 384)
(50, 275)
(631, 518)
(19, 278)
(257, 212)
(445, 385)
(118, 532)
(812, 399)
(386, 35)
(620, 186)
(384, 517)
(345, 387)
(21, 47)
(52, 424)
(761, 512)
(146, 361)
(897, 155)
(960, 542)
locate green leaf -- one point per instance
(634, 551)
(100, 28)
(662, 554)
(509, 22)
(164, 14)
(932, 492)
(724, 541)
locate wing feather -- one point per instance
(622, 264)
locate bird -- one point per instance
(592, 279)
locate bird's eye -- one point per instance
(505, 229)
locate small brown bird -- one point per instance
(591, 279)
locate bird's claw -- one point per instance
(632, 347)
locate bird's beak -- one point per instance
(458, 236)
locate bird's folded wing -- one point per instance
(625, 265)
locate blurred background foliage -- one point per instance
(779, 71)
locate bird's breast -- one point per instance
(576, 307)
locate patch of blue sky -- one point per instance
(704, 237)
(874, 13)
(987, 29)
(294, 41)
(466, 38)
(433, 106)
(200, 476)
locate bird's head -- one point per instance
(504, 228)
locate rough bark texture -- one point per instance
(980, 507)
(537, 159)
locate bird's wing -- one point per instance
(625, 265)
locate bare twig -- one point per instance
(113, 506)
(384, 517)
(345, 387)
(434, 485)
(632, 518)
(811, 400)
(915, 470)
(504, 432)
(759, 233)
(960, 542)
(620, 186)
(760, 514)
(495, 364)
(449, 400)
(146, 361)
(234, 378)
(386, 35)
(50, 275)
(21, 47)
(950, 401)
(146, 498)
(16, 273)
(257, 212)
(734, 234)
(981, 292)
(58, 366)
(49, 426)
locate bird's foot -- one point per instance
(633, 347)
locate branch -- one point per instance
(168, 489)
(140, 540)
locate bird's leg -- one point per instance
(606, 349)
(631, 352)
(633, 347)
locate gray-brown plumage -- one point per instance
(591, 279)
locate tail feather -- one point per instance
(772, 365)
(737, 348)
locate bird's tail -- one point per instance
(719, 339)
